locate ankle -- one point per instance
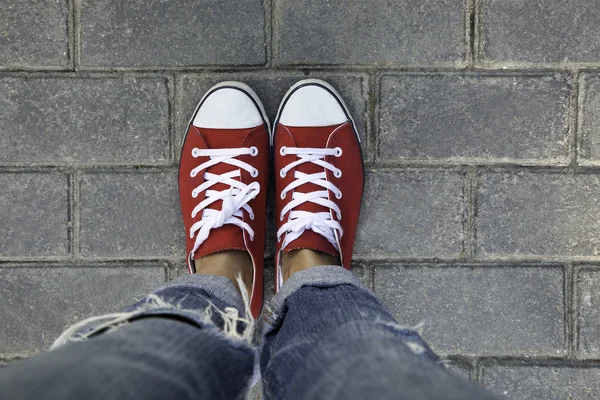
(230, 264)
(297, 260)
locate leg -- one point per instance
(327, 336)
(172, 344)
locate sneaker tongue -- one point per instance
(227, 237)
(312, 137)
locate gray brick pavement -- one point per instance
(524, 382)
(480, 123)
(34, 215)
(130, 215)
(482, 310)
(540, 32)
(34, 34)
(95, 120)
(538, 214)
(588, 318)
(363, 32)
(424, 210)
(41, 300)
(187, 32)
(589, 119)
(485, 118)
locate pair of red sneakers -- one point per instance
(224, 176)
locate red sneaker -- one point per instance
(223, 178)
(319, 173)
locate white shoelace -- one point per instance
(235, 199)
(320, 222)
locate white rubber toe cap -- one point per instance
(312, 105)
(228, 108)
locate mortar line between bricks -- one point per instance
(76, 35)
(171, 95)
(573, 118)
(370, 272)
(78, 265)
(275, 32)
(443, 263)
(388, 262)
(448, 262)
(380, 166)
(576, 308)
(477, 24)
(464, 360)
(71, 32)
(470, 196)
(178, 108)
(469, 35)
(477, 371)
(373, 116)
(76, 203)
(171, 270)
(340, 68)
(70, 214)
(569, 310)
(268, 5)
(486, 168)
(85, 72)
(535, 360)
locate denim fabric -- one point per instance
(161, 353)
(324, 335)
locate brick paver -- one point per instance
(34, 215)
(423, 209)
(187, 32)
(480, 310)
(99, 120)
(538, 214)
(480, 122)
(589, 119)
(541, 32)
(34, 34)
(39, 300)
(530, 382)
(377, 31)
(588, 312)
(130, 215)
(475, 117)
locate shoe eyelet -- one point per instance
(282, 150)
(338, 173)
(194, 194)
(195, 153)
(339, 217)
(338, 195)
(338, 152)
(253, 151)
(282, 196)
(282, 174)
(254, 173)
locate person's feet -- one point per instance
(223, 178)
(319, 177)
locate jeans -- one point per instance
(323, 336)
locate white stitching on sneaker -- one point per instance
(299, 221)
(234, 199)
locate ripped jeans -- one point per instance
(323, 336)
